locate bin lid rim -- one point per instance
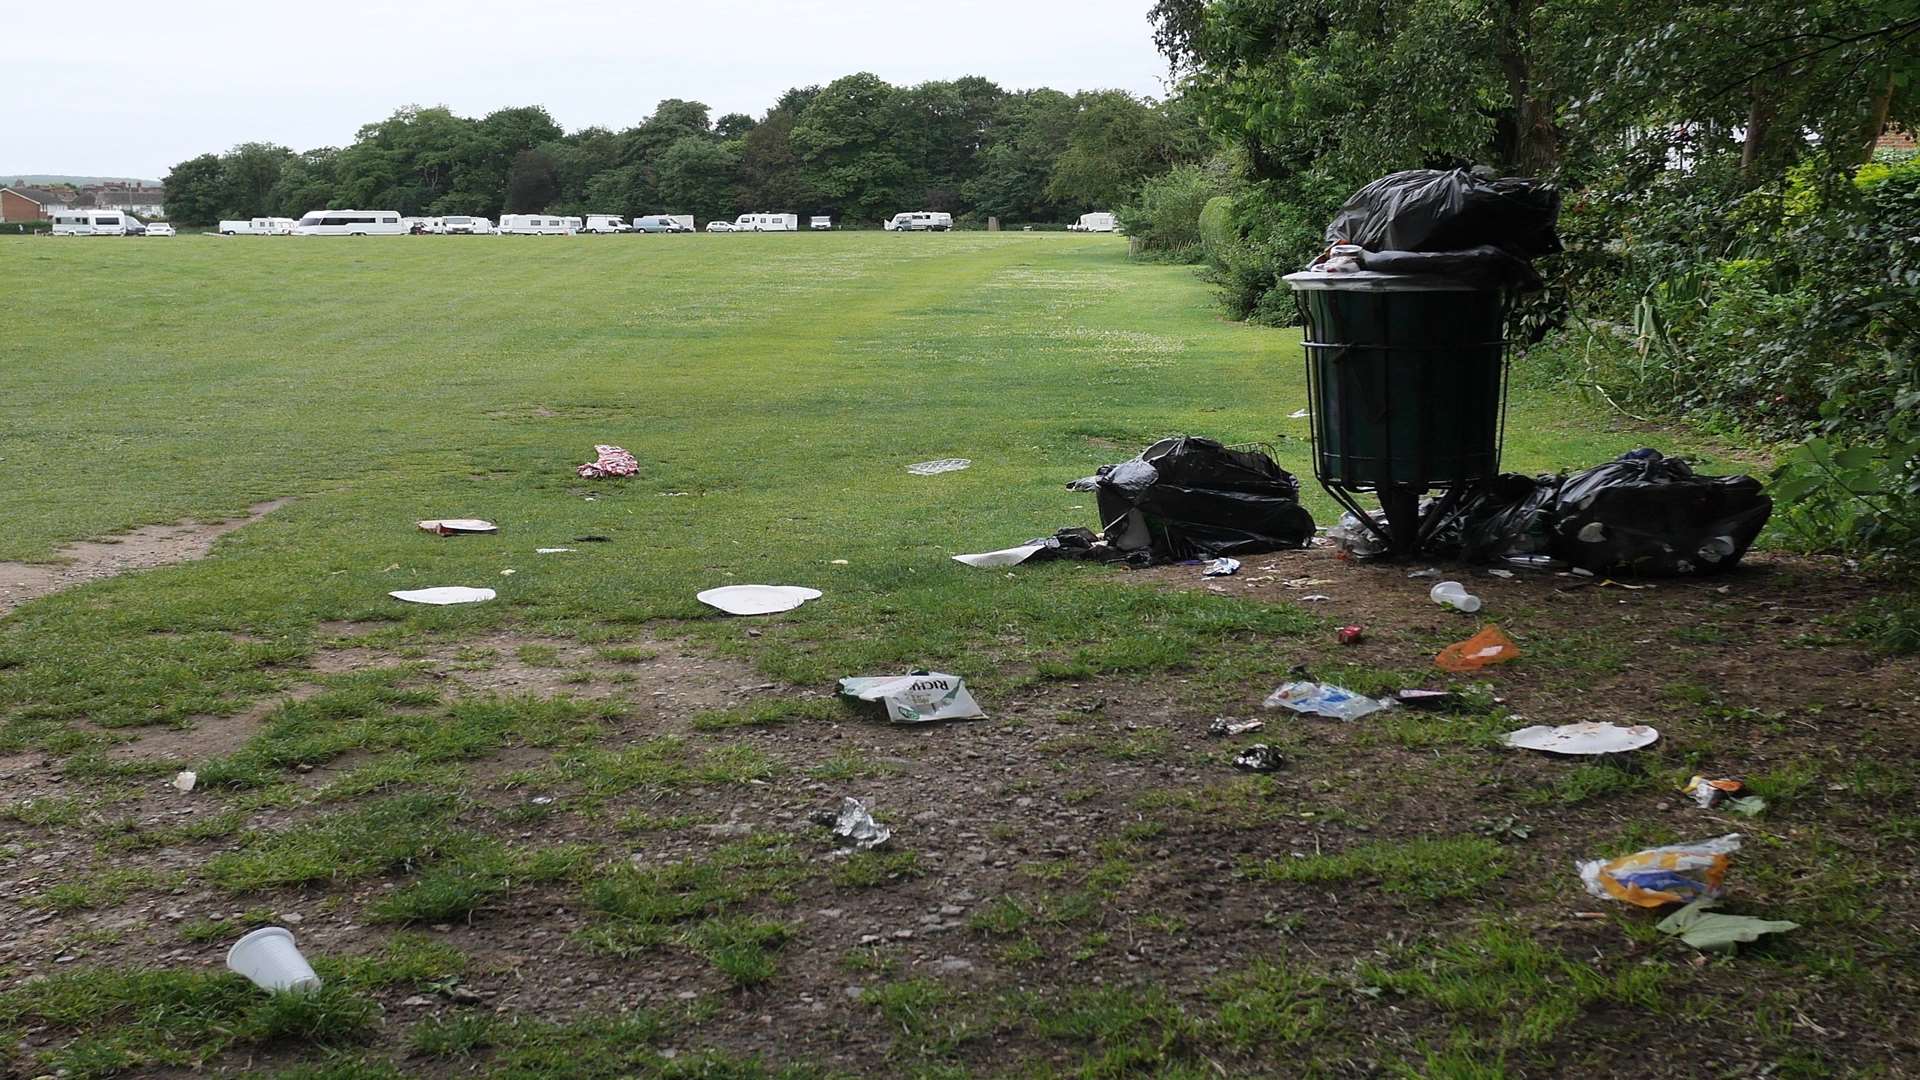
(1373, 281)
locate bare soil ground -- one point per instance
(142, 549)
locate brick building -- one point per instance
(29, 204)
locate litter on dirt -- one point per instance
(456, 526)
(443, 595)
(1222, 567)
(1315, 598)
(185, 779)
(1675, 874)
(855, 825)
(1223, 727)
(1713, 931)
(756, 599)
(611, 461)
(943, 465)
(1323, 699)
(1583, 739)
(1709, 793)
(1259, 758)
(918, 697)
(1350, 635)
(1488, 647)
(1747, 805)
(1426, 699)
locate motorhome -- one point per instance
(606, 223)
(919, 221)
(532, 225)
(819, 222)
(461, 224)
(260, 226)
(350, 223)
(1097, 222)
(767, 223)
(89, 223)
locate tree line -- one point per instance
(858, 148)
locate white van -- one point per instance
(767, 223)
(533, 225)
(663, 223)
(90, 223)
(463, 225)
(819, 222)
(1096, 222)
(919, 221)
(350, 223)
(606, 223)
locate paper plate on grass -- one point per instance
(444, 594)
(1582, 738)
(757, 599)
(450, 526)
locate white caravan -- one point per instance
(819, 222)
(260, 226)
(919, 221)
(606, 223)
(767, 223)
(532, 225)
(90, 223)
(1096, 222)
(350, 223)
(461, 224)
(573, 224)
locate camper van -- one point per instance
(532, 225)
(606, 223)
(350, 223)
(260, 226)
(1099, 222)
(90, 223)
(819, 222)
(767, 223)
(919, 221)
(461, 224)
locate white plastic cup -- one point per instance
(1454, 595)
(269, 957)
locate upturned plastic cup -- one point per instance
(269, 957)
(1454, 595)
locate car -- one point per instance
(159, 228)
(719, 226)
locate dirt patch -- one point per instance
(142, 549)
(203, 736)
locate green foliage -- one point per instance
(1165, 219)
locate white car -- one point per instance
(719, 226)
(159, 228)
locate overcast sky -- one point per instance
(148, 85)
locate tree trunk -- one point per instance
(1877, 110)
(1760, 114)
(1535, 148)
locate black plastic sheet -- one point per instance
(1429, 210)
(1509, 518)
(1188, 497)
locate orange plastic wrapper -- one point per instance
(1675, 874)
(1484, 649)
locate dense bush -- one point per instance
(1164, 220)
(41, 225)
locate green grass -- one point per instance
(1427, 868)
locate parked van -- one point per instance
(350, 223)
(533, 225)
(90, 223)
(665, 223)
(819, 222)
(919, 221)
(461, 224)
(767, 223)
(1097, 222)
(606, 223)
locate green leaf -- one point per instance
(1711, 931)
(1747, 805)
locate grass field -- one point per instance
(567, 832)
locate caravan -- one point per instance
(1096, 222)
(767, 223)
(90, 223)
(532, 225)
(260, 226)
(350, 223)
(919, 221)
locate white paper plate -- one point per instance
(757, 599)
(1004, 557)
(935, 468)
(445, 594)
(459, 525)
(1582, 738)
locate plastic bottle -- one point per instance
(1454, 595)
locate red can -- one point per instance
(1350, 635)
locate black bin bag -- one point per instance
(1188, 497)
(1432, 210)
(1648, 514)
(1506, 519)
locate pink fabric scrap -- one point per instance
(613, 461)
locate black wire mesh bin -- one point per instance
(1406, 392)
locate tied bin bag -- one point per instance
(1188, 497)
(1648, 514)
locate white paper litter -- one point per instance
(450, 526)
(1222, 567)
(185, 779)
(757, 599)
(1297, 414)
(934, 468)
(856, 825)
(444, 594)
(550, 551)
(1012, 556)
(1588, 738)
(917, 698)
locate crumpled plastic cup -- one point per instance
(273, 962)
(1454, 595)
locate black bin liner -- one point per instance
(1483, 267)
(1653, 515)
(1432, 210)
(1188, 497)
(1507, 519)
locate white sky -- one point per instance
(132, 89)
